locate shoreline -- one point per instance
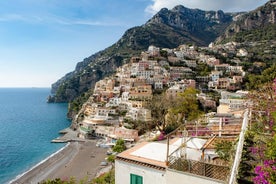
(80, 160)
(33, 172)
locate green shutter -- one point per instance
(132, 179)
(139, 180)
(135, 179)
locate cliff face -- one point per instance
(84, 77)
(253, 26)
(189, 25)
(168, 28)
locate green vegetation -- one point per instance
(246, 167)
(119, 146)
(164, 53)
(271, 148)
(203, 69)
(76, 104)
(107, 178)
(258, 34)
(169, 112)
(258, 158)
(61, 93)
(71, 180)
(141, 126)
(187, 105)
(223, 149)
(159, 106)
(255, 81)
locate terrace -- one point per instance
(208, 166)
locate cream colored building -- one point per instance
(146, 163)
(232, 103)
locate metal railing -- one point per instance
(235, 167)
(201, 168)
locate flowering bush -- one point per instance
(258, 151)
(266, 173)
(200, 132)
(161, 136)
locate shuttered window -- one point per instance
(135, 179)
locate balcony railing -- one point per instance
(207, 169)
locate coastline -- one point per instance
(34, 174)
(80, 160)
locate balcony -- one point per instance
(207, 169)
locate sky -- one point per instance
(42, 40)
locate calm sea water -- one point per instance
(27, 125)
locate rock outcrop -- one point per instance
(261, 20)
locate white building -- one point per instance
(153, 51)
(242, 52)
(125, 96)
(142, 164)
(215, 75)
(139, 114)
(231, 102)
(146, 163)
(175, 89)
(158, 85)
(113, 102)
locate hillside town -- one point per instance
(123, 97)
(186, 96)
(125, 94)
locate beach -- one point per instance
(80, 160)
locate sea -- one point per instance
(27, 125)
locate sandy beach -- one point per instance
(77, 159)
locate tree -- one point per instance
(203, 69)
(187, 105)
(172, 121)
(223, 149)
(267, 76)
(107, 178)
(119, 146)
(168, 112)
(164, 53)
(159, 106)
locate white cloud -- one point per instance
(225, 5)
(94, 23)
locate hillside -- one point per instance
(256, 25)
(167, 29)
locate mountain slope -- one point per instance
(257, 25)
(168, 28)
(189, 25)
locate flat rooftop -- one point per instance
(155, 151)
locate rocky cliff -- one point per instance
(255, 25)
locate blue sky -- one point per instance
(42, 40)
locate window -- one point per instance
(135, 179)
